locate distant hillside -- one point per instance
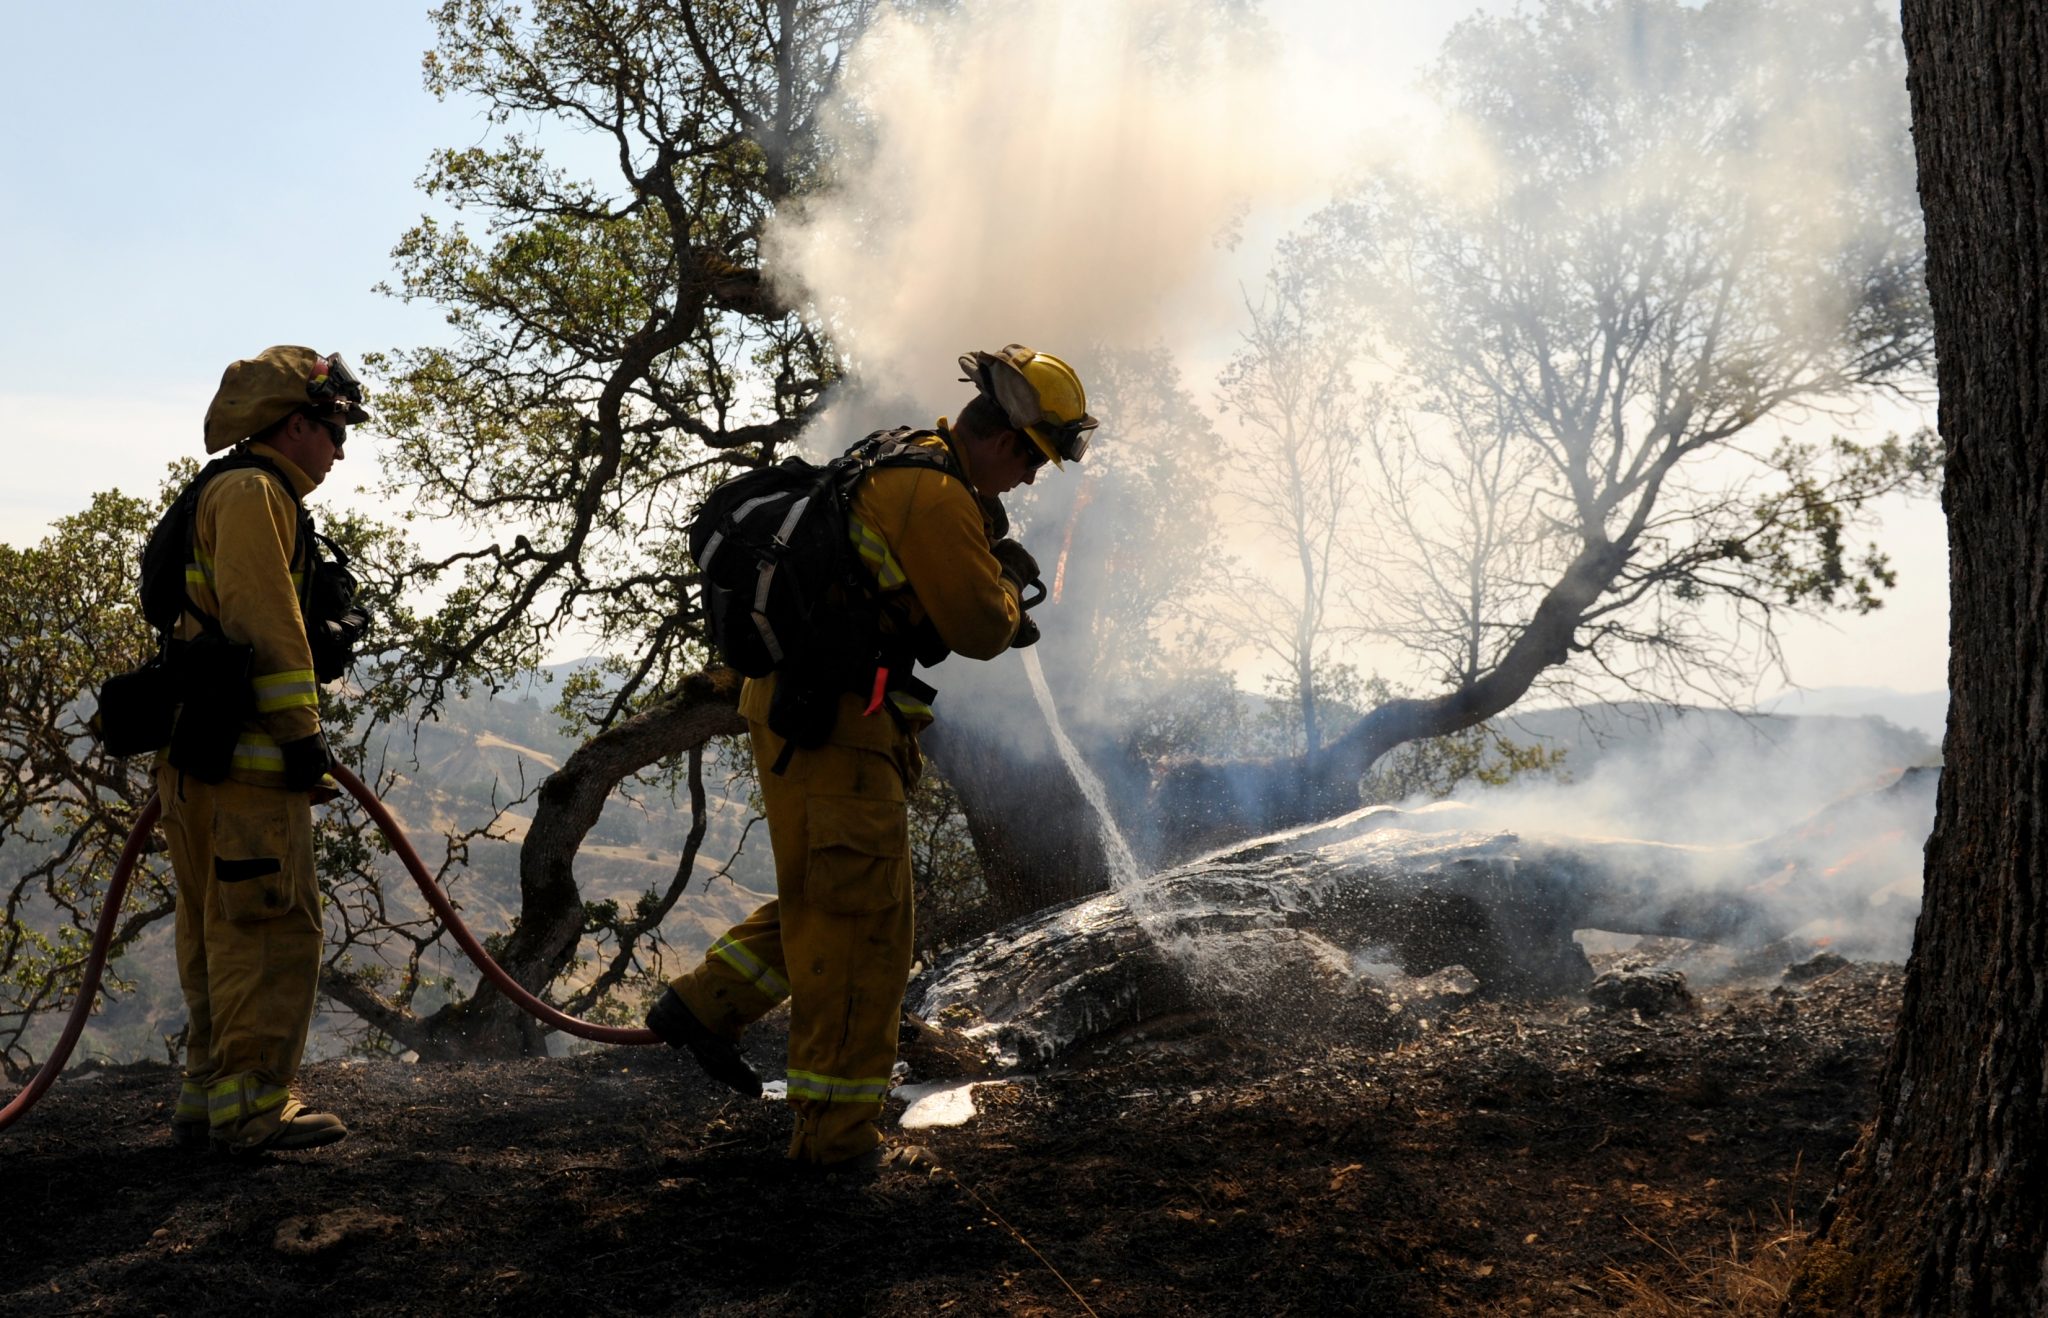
(1924, 712)
(484, 753)
(450, 772)
(1680, 774)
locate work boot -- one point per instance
(883, 1159)
(678, 1026)
(191, 1136)
(298, 1129)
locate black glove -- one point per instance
(1017, 563)
(1027, 633)
(305, 762)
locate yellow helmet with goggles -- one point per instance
(1039, 394)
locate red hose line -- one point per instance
(95, 962)
(117, 888)
(444, 908)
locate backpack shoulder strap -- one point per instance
(242, 459)
(903, 446)
(239, 459)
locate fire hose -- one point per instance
(401, 846)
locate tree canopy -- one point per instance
(1667, 241)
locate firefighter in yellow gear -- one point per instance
(248, 906)
(836, 941)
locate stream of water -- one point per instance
(1123, 866)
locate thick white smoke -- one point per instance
(1061, 173)
(1820, 821)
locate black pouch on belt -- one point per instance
(804, 709)
(214, 681)
(136, 709)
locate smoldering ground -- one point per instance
(1734, 845)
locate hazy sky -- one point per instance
(184, 185)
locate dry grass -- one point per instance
(1749, 1281)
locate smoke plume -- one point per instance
(1060, 174)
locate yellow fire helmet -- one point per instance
(1039, 393)
(262, 390)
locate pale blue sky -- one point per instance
(182, 179)
(184, 185)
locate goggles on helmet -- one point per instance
(335, 381)
(1000, 379)
(1069, 439)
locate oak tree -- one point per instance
(1943, 1206)
(1593, 336)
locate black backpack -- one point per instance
(786, 592)
(334, 624)
(170, 543)
(137, 709)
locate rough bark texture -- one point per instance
(551, 905)
(1944, 1206)
(1034, 833)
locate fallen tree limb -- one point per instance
(1286, 922)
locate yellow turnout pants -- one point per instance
(248, 938)
(836, 941)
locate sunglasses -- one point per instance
(1034, 456)
(337, 433)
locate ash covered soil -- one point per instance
(1529, 1157)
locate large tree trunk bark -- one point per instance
(1034, 832)
(1943, 1208)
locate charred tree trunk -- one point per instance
(1943, 1208)
(550, 921)
(1034, 832)
(1199, 805)
(1278, 928)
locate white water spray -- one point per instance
(1123, 866)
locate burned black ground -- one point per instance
(1513, 1158)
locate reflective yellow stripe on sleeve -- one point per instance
(910, 706)
(291, 689)
(836, 1089)
(875, 552)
